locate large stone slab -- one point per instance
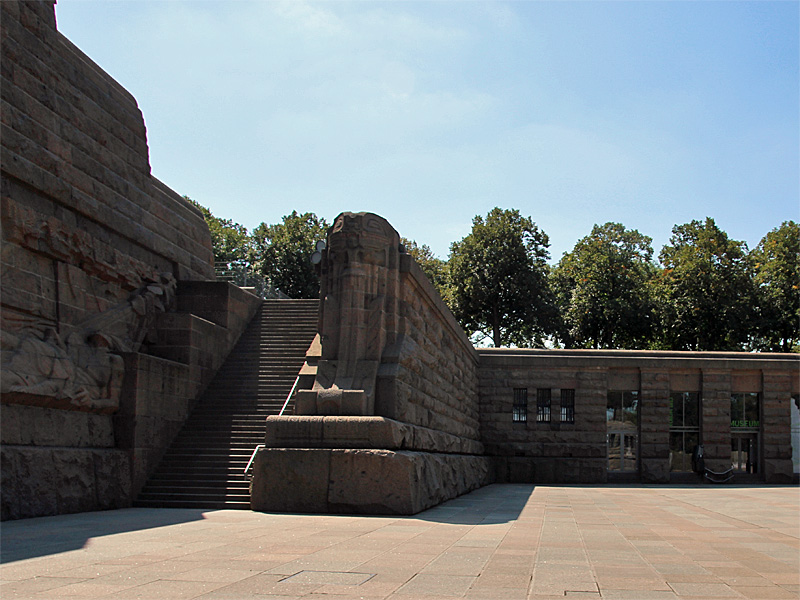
(361, 481)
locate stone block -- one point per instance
(293, 432)
(362, 481)
(113, 479)
(290, 480)
(374, 482)
(9, 476)
(75, 480)
(34, 482)
(654, 470)
(778, 471)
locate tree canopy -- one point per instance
(282, 253)
(707, 292)
(777, 278)
(499, 278)
(230, 241)
(603, 289)
(705, 289)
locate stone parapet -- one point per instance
(640, 359)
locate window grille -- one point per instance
(519, 412)
(542, 406)
(567, 406)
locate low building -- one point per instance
(585, 416)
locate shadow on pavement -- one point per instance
(490, 505)
(43, 536)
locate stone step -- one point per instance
(185, 485)
(204, 467)
(207, 501)
(221, 494)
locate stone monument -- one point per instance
(390, 422)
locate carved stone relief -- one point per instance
(81, 369)
(50, 236)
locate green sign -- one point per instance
(743, 423)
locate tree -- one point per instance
(230, 241)
(434, 268)
(499, 277)
(705, 289)
(282, 253)
(776, 260)
(603, 289)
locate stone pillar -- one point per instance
(776, 440)
(654, 426)
(716, 419)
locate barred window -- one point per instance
(519, 411)
(542, 406)
(567, 406)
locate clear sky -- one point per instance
(428, 113)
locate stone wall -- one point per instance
(556, 452)
(551, 452)
(99, 371)
(430, 378)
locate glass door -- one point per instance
(622, 431)
(744, 452)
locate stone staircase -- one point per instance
(204, 466)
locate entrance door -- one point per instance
(744, 452)
(622, 431)
(622, 451)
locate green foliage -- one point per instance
(230, 241)
(710, 294)
(705, 290)
(282, 253)
(499, 276)
(776, 260)
(436, 269)
(603, 290)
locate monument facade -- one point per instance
(112, 326)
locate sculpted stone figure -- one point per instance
(359, 285)
(82, 369)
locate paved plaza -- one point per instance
(504, 542)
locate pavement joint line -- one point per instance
(534, 524)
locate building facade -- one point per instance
(592, 416)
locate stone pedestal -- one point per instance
(365, 465)
(361, 481)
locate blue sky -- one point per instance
(428, 113)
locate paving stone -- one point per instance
(139, 554)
